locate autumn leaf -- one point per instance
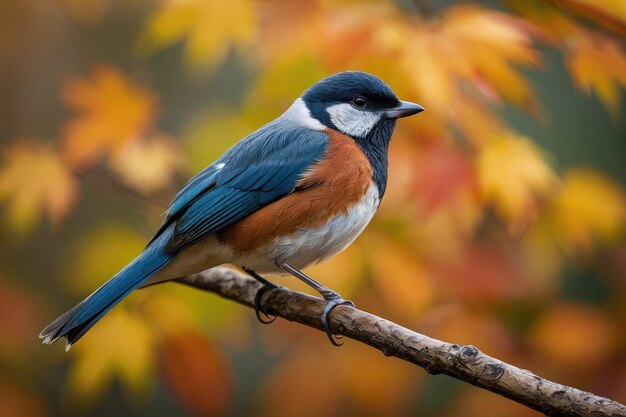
(468, 44)
(347, 386)
(609, 13)
(210, 134)
(545, 16)
(512, 175)
(483, 274)
(120, 346)
(410, 291)
(444, 173)
(111, 113)
(210, 27)
(494, 42)
(289, 28)
(19, 401)
(34, 180)
(598, 63)
(271, 95)
(150, 164)
(588, 207)
(196, 372)
(90, 265)
(574, 334)
(19, 312)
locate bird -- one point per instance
(295, 192)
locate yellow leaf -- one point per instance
(112, 112)
(271, 95)
(512, 173)
(91, 265)
(211, 28)
(120, 345)
(589, 206)
(599, 63)
(210, 134)
(35, 180)
(149, 165)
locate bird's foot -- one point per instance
(332, 300)
(261, 314)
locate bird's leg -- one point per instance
(267, 285)
(333, 298)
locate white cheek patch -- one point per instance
(353, 122)
(299, 114)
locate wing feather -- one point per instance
(258, 170)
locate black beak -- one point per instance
(404, 109)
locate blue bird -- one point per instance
(295, 192)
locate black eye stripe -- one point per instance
(359, 101)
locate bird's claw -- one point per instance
(332, 302)
(258, 309)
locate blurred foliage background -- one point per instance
(502, 227)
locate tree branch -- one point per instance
(466, 363)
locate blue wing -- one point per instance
(256, 171)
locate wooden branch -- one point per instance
(466, 363)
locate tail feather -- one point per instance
(76, 322)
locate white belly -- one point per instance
(313, 245)
(300, 249)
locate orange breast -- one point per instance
(330, 187)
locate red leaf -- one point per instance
(442, 173)
(196, 372)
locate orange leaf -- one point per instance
(609, 13)
(492, 42)
(112, 112)
(403, 281)
(598, 63)
(34, 179)
(574, 334)
(196, 372)
(468, 44)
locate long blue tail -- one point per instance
(74, 323)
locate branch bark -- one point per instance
(466, 363)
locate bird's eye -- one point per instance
(359, 102)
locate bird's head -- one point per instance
(357, 104)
